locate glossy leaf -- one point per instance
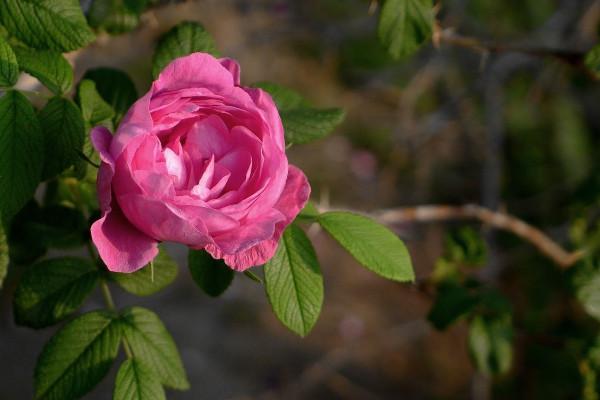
(212, 276)
(9, 67)
(47, 24)
(293, 282)
(145, 281)
(77, 357)
(21, 152)
(181, 40)
(136, 381)
(53, 289)
(115, 87)
(372, 245)
(94, 109)
(152, 344)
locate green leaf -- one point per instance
(405, 25)
(48, 66)
(57, 226)
(588, 294)
(151, 343)
(490, 344)
(145, 282)
(371, 244)
(9, 68)
(293, 282)
(451, 303)
(4, 259)
(64, 134)
(21, 152)
(94, 109)
(309, 213)
(212, 276)
(592, 59)
(136, 381)
(183, 39)
(465, 246)
(47, 24)
(116, 16)
(53, 289)
(115, 87)
(77, 357)
(302, 123)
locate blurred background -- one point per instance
(509, 130)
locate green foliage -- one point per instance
(151, 278)
(135, 380)
(587, 286)
(51, 290)
(466, 247)
(212, 276)
(4, 258)
(46, 24)
(9, 68)
(452, 302)
(152, 344)
(181, 40)
(94, 109)
(21, 144)
(48, 66)
(309, 213)
(302, 122)
(116, 16)
(405, 25)
(77, 357)
(64, 132)
(371, 244)
(56, 226)
(293, 282)
(115, 87)
(592, 59)
(490, 344)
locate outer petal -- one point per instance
(121, 246)
(137, 121)
(292, 200)
(233, 67)
(267, 106)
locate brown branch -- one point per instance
(498, 220)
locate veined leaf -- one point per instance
(48, 66)
(136, 381)
(212, 276)
(77, 357)
(9, 68)
(372, 245)
(152, 344)
(293, 282)
(115, 87)
(93, 107)
(47, 24)
(183, 39)
(21, 152)
(404, 25)
(53, 289)
(145, 282)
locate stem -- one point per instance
(107, 296)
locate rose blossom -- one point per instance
(199, 160)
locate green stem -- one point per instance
(107, 296)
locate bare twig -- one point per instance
(495, 219)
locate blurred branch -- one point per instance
(495, 219)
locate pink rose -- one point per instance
(199, 160)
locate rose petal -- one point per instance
(233, 67)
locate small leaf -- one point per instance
(93, 107)
(116, 16)
(465, 246)
(490, 344)
(309, 213)
(4, 259)
(63, 135)
(592, 60)
(116, 88)
(588, 294)
(183, 39)
(404, 25)
(21, 152)
(152, 344)
(53, 289)
(77, 357)
(371, 244)
(48, 66)
(302, 123)
(451, 303)
(293, 282)
(141, 282)
(135, 380)
(47, 24)
(212, 276)
(9, 68)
